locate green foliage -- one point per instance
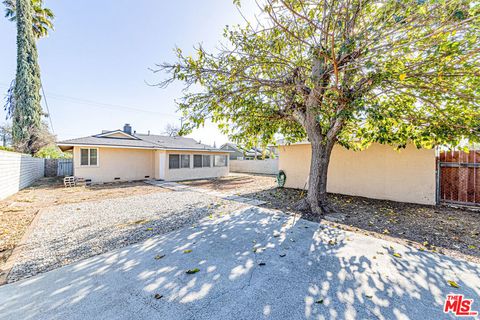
(351, 72)
(27, 113)
(52, 152)
(6, 148)
(42, 18)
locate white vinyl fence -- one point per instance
(18, 171)
(267, 166)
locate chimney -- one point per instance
(127, 128)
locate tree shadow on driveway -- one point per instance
(253, 264)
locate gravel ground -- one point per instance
(68, 233)
(18, 210)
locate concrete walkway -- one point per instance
(253, 264)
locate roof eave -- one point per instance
(68, 146)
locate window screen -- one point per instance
(197, 161)
(84, 157)
(220, 161)
(206, 161)
(93, 157)
(185, 160)
(173, 161)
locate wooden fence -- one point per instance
(459, 177)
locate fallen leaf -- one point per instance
(283, 255)
(386, 231)
(261, 264)
(319, 301)
(453, 284)
(160, 256)
(187, 251)
(397, 255)
(368, 296)
(192, 271)
(149, 229)
(471, 247)
(158, 296)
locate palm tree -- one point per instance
(41, 18)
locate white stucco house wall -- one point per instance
(123, 155)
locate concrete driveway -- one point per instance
(253, 264)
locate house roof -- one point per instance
(232, 146)
(138, 141)
(253, 152)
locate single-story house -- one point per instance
(235, 151)
(379, 172)
(255, 153)
(123, 155)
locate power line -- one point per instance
(46, 104)
(103, 105)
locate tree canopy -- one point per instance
(407, 71)
(340, 72)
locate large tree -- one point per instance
(27, 114)
(23, 98)
(348, 72)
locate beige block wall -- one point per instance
(267, 166)
(18, 171)
(195, 173)
(380, 172)
(126, 164)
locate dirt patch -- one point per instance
(19, 210)
(236, 183)
(443, 229)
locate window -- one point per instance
(93, 157)
(206, 161)
(173, 161)
(88, 157)
(185, 161)
(220, 161)
(201, 161)
(197, 161)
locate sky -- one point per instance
(95, 64)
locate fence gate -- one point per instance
(65, 167)
(459, 177)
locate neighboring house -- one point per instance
(238, 153)
(121, 155)
(379, 172)
(235, 151)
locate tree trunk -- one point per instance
(317, 182)
(316, 200)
